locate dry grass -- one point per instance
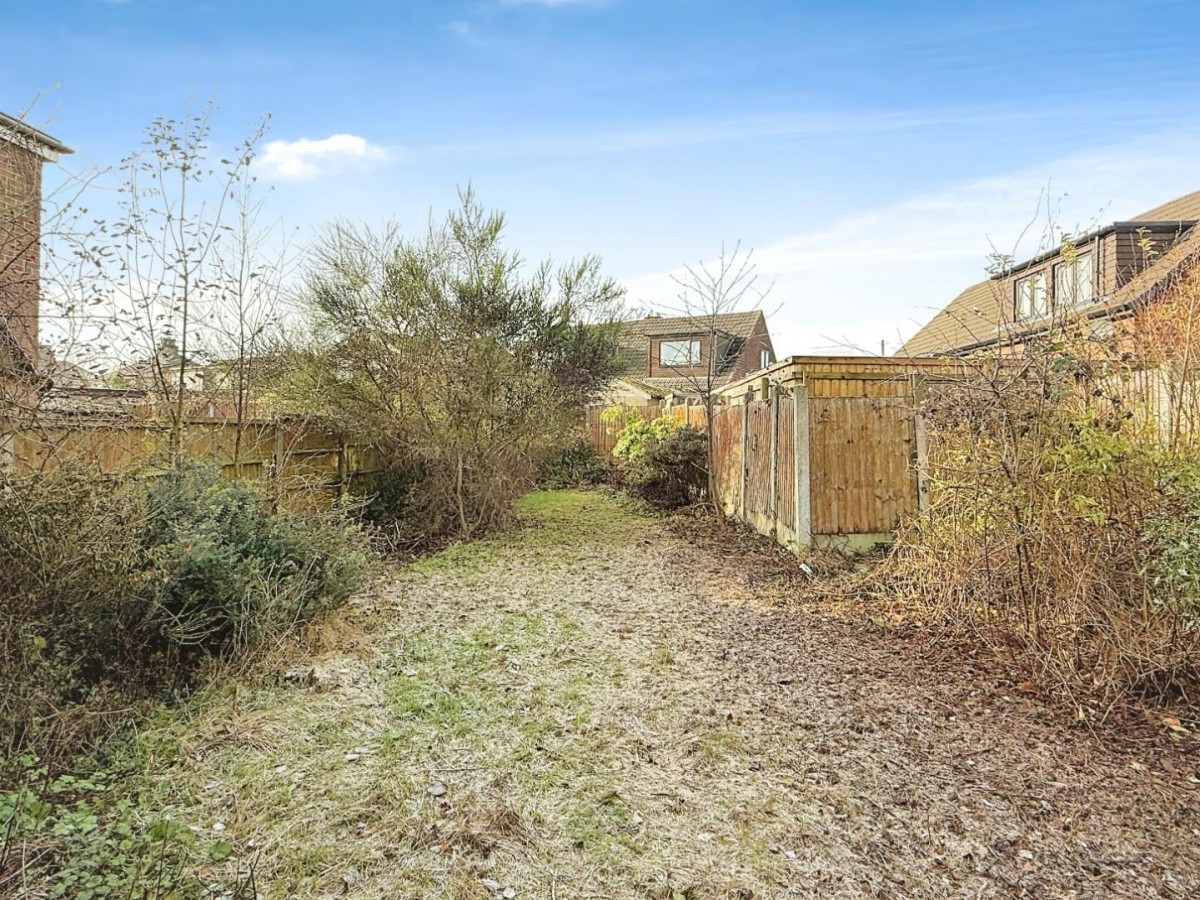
(593, 708)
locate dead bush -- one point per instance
(1063, 526)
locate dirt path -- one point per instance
(594, 708)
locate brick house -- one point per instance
(23, 151)
(1099, 280)
(662, 357)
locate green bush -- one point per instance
(227, 570)
(113, 590)
(663, 461)
(82, 837)
(574, 466)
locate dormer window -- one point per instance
(1031, 300)
(1074, 282)
(679, 353)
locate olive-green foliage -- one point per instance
(111, 590)
(227, 569)
(1056, 528)
(577, 465)
(453, 358)
(663, 461)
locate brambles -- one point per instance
(1064, 518)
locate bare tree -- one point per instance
(164, 263)
(709, 291)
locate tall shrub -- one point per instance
(446, 353)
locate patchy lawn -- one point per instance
(592, 707)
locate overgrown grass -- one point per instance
(480, 719)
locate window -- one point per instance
(679, 353)
(1031, 296)
(1074, 282)
(764, 359)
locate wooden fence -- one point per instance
(827, 451)
(301, 457)
(602, 434)
(818, 451)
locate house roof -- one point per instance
(634, 335)
(25, 135)
(977, 315)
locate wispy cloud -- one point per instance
(305, 159)
(881, 273)
(465, 32)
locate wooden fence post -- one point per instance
(745, 451)
(803, 486)
(921, 442)
(277, 453)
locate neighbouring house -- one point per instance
(23, 151)
(160, 373)
(1099, 279)
(674, 358)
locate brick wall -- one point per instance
(750, 359)
(20, 228)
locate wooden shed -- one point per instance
(824, 451)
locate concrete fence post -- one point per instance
(745, 451)
(803, 486)
(921, 444)
(774, 495)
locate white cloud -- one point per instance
(304, 159)
(881, 273)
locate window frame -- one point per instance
(690, 361)
(1084, 261)
(764, 358)
(1043, 308)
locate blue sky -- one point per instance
(870, 152)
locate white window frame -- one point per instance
(764, 358)
(1030, 298)
(1067, 293)
(680, 358)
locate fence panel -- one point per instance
(727, 456)
(303, 458)
(603, 435)
(861, 459)
(758, 458)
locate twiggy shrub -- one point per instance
(1062, 530)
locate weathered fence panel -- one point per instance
(602, 434)
(862, 453)
(727, 456)
(826, 450)
(301, 457)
